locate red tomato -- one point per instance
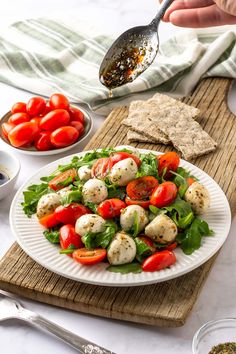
(148, 242)
(54, 119)
(43, 142)
(18, 107)
(141, 188)
(18, 118)
(69, 237)
(36, 120)
(143, 203)
(89, 257)
(118, 156)
(57, 182)
(35, 106)
(49, 220)
(69, 214)
(64, 136)
(164, 194)
(76, 115)
(23, 134)
(158, 261)
(77, 125)
(172, 246)
(100, 168)
(57, 100)
(190, 181)
(6, 128)
(110, 208)
(46, 110)
(167, 162)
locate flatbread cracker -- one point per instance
(133, 136)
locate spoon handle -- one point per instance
(162, 9)
(84, 346)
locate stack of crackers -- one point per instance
(165, 120)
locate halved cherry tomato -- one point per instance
(6, 128)
(64, 136)
(57, 182)
(18, 118)
(43, 142)
(158, 261)
(49, 220)
(141, 188)
(172, 246)
(164, 194)
(76, 115)
(55, 119)
(23, 134)
(89, 257)
(168, 161)
(18, 107)
(77, 125)
(35, 106)
(58, 100)
(69, 237)
(118, 156)
(100, 168)
(190, 180)
(110, 208)
(148, 242)
(143, 203)
(69, 214)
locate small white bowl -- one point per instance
(10, 166)
(213, 333)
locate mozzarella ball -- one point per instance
(122, 249)
(84, 173)
(123, 172)
(198, 197)
(89, 223)
(47, 204)
(127, 217)
(95, 191)
(162, 229)
(64, 192)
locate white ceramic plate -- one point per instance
(29, 235)
(33, 151)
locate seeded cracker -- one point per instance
(133, 137)
(139, 121)
(177, 123)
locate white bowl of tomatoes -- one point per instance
(45, 127)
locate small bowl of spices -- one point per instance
(9, 170)
(216, 337)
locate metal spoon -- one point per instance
(10, 308)
(132, 53)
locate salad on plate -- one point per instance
(122, 207)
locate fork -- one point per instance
(10, 308)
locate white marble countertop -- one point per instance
(217, 298)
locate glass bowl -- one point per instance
(213, 333)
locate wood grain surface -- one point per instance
(166, 304)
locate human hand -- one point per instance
(201, 13)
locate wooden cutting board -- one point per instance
(163, 304)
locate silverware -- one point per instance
(10, 308)
(132, 53)
(231, 98)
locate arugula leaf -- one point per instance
(190, 240)
(32, 196)
(73, 196)
(181, 212)
(102, 239)
(180, 180)
(135, 228)
(142, 249)
(149, 166)
(68, 250)
(115, 191)
(52, 235)
(125, 268)
(91, 206)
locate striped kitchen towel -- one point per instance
(45, 56)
